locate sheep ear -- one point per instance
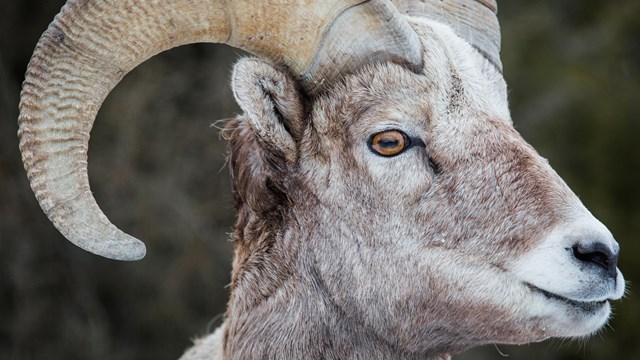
(272, 105)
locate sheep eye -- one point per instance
(389, 143)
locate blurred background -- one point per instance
(157, 170)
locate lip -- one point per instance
(585, 306)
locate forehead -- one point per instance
(451, 98)
(379, 96)
(389, 96)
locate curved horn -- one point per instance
(91, 45)
(475, 21)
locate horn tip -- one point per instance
(133, 251)
(130, 249)
(123, 248)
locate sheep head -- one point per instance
(424, 214)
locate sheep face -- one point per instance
(428, 218)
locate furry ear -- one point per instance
(262, 142)
(272, 104)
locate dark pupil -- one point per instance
(388, 143)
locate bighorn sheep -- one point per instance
(386, 206)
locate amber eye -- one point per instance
(389, 143)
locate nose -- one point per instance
(598, 253)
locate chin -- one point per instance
(561, 317)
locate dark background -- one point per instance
(157, 170)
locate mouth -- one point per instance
(585, 306)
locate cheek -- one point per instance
(405, 177)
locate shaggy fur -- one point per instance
(343, 254)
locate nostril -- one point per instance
(597, 253)
(597, 257)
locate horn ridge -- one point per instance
(475, 21)
(91, 45)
